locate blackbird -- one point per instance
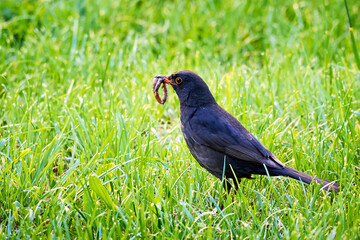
(219, 142)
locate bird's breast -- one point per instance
(208, 158)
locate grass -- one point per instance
(86, 151)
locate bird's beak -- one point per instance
(165, 79)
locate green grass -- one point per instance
(86, 151)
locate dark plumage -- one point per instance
(217, 139)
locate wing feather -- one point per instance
(218, 130)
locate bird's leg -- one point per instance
(227, 185)
(236, 184)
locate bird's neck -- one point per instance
(196, 98)
(187, 112)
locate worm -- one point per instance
(156, 85)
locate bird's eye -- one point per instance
(178, 80)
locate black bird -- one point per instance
(219, 142)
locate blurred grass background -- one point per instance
(86, 151)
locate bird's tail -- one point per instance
(295, 174)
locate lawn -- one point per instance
(86, 152)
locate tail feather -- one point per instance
(295, 174)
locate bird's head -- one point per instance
(190, 88)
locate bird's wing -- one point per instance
(217, 129)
